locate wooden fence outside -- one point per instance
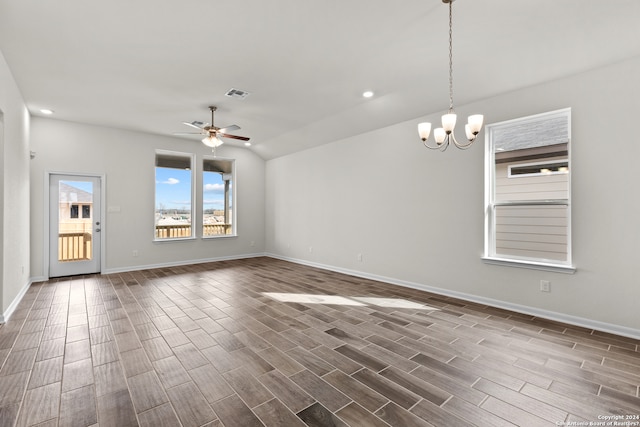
(74, 246)
(184, 230)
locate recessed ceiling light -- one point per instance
(46, 111)
(367, 94)
(247, 144)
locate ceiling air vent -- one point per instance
(237, 94)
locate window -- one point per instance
(86, 211)
(217, 197)
(174, 195)
(528, 189)
(537, 169)
(73, 212)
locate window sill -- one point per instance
(219, 236)
(535, 265)
(174, 239)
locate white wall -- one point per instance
(127, 159)
(14, 193)
(416, 215)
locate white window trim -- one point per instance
(490, 256)
(194, 218)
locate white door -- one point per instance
(74, 225)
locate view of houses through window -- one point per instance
(528, 212)
(74, 220)
(174, 196)
(217, 197)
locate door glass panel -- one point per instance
(75, 201)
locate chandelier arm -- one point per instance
(441, 147)
(459, 145)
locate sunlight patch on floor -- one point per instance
(353, 301)
(313, 299)
(393, 303)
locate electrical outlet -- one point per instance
(310, 249)
(252, 244)
(545, 286)
(135, 252)
(360, 257)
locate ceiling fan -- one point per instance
(211, 132)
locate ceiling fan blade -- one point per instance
(188, 133)
(225, 135)
(196, 124)
(229, 128)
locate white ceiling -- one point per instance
(149, 65)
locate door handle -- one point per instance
(97, 230)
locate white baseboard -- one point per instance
(533, 311)
(179, 263)
(14, 304)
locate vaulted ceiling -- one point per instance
(149, 65)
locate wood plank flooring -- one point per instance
(266, 342)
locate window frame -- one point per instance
(192, 162)
(234, 225)
(490, 256)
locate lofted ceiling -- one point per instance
(149, 65)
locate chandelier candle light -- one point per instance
(444, 135)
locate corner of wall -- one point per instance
(16, 301)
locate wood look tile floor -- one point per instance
(266, 342)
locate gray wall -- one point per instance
(417, 216)
(14, 193)
(126, 159)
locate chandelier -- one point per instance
(444, 136)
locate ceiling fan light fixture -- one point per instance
(212, 141)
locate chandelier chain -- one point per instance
(450, 58)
